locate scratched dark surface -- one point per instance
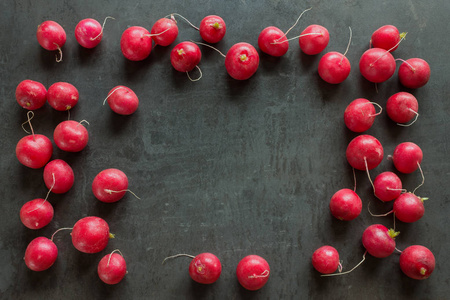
(221, 166)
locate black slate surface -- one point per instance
(222, 166)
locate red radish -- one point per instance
(386, 37)
(212, 29)
(31, 94)
(36, 214)
(90, 234)
(409, 208)
(242, 61)
(204, 268)
(402, 107)
(51, 36)
(71, 136)
(377, 65)
(122, 100)
(136, 43)
(407, 157)
(89, 32)
(417, 262)
(185, 56)
(58, 176)
(364, 152)
(414, 73)
(326, 260)
(273, 41)
(112, 268)
(164, 31)
(388, 186)
(314, 39)
(62, 96)
(345, 205)
(360, 115)
(40, 254)
(110, 185)
(253, 272)
(379, 241)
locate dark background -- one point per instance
(222, 166)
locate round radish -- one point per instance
(359, 115)
(334, 67)
(51, 36)
(122, 100)
(205, 268)
(185, 56)
(40, 254)
(414, 73)
(31, 94)
(325, 260)
(36, 214)
(112, 268)
(164, 31)
(273, 41)
(407, 157)
(89, 32)
(70, 136)
(409, 208)
(417, 262)
(136, 43)
(212, 29)
(387, 186)
(379, 241)
(58, 176)
(34, 151)
(90, 234)
(377, 65)
(364, 152)
(402, 107)
(314, 39)
(110, 185)
(386, 37)
(62, 96)
(242, 61)
(253, 272)
(345, 205)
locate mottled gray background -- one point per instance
(233, 168)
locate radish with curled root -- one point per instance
(402, 107)
(122, 100)
(71, 136)
(112, 268)
(51, 36)
(89, 32)
(253, 272)
(360, 115)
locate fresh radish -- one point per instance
(414, 73)
(51, 36)
(71, 136)
(122, 100)
(388, 186)
(409, 208)
(212, 29)
(417, 262)
(185, 57)
(31, 94)
(40, 254)
(326, 260)
(242, 61)
(204, 268)
(112, 268)
(314, 39)
(136, 43)
(273, 41)
(89, 32)
(377, 65)
(360, 115)
(379, 241)
(364, 152)
(253, 272)
(345, 205)
(407, 157)
(91, 234)
(62, 96)
(164, 31)
(36, 214)
(386, 37)
(58, 176)
(402, 107)
(110, 185)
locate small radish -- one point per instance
(112, 268)
(379, 241)
(122, 100)
(31, 94)
(136, 43)
(417, 262)
(409, 208)
(377, 65)
(212, 29)
(110, 185)
(71, 136)
(204, 268)
(185, 57)
(326, 260)
(40, 254)
(62, 96)
(164, 31)
(58, 176)
(402, 107)
(364, 152)
(345, 205)
(91, 234)
(386, 37)
(89, 32)
(314, 39)
(414, 73)
(241, 61)
(407, 157)
(360, 115)
(51, 36)
(253, 272)
(36, 214)
(388, 186)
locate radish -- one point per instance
(40, 254)
(71, 136)
(407, 157)
(90, 234)
(185, 57)
(414, 73)
(417, 262)
(388, 186)
(314, 39)
(360, 115)
(89, 32)
(345, 205)
(326, 260)
(204, 268)
(379, 241)
(386, 37)
(62, 96)
(110, 185)
(36, 214)
(377, 65)
(112, 268)
(31, 94)
(212, 29)
(164, 31)
(402, 107)
(136, 43)
(253, 272)
(409, 208)
(122, 100)
(364, 152)
(58, 176)
(51, 36)
(241, 61)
